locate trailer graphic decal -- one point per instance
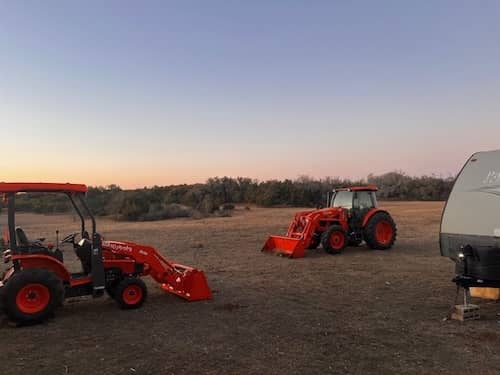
(493, 177)
(491, 189)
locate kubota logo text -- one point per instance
(117, 246)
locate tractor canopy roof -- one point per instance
(357, 188)
(41, 187)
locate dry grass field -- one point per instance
(359, 312)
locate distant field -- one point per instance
(363, 311)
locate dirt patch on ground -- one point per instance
(360, 312)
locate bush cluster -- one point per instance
(221, 193)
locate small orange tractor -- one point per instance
(37, 280)
(352, 216)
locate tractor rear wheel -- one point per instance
(380, 231)
(32, 295)
(334, 239)
(130, 293)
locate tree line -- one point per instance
(221, 193)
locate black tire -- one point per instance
(315, 241)
(334, 239)
(32, 295)
(111, 291)
(113, 278)
(380, 232)
(130, 293)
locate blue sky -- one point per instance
(160, 92)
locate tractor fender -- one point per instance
(370, 213)
(43, 261)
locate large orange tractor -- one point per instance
(352, 216)
(37, 280)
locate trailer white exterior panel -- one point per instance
(474, 204)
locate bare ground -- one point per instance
(360, 312)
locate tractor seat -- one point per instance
(83, 251)
(26, 246)
(22, 239)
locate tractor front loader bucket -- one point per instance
(188, 283)
(287, 246)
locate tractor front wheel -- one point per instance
(315, 241)
(130, 293)
(111, 291)
(32, 295)
(380, 231)
(334, 239)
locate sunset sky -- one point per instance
(165, 92)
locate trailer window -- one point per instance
(343, 199)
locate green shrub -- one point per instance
(170, 211)
(200, 200)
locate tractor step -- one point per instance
(465, 312)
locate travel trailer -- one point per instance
(470, 224)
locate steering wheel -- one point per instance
(70, 238)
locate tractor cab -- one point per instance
(356, 200)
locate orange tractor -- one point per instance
(37, 280)
(352, 216)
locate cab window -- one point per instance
(364, 200)
(343, 199)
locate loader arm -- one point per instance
(183, 281)
(301, 230)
